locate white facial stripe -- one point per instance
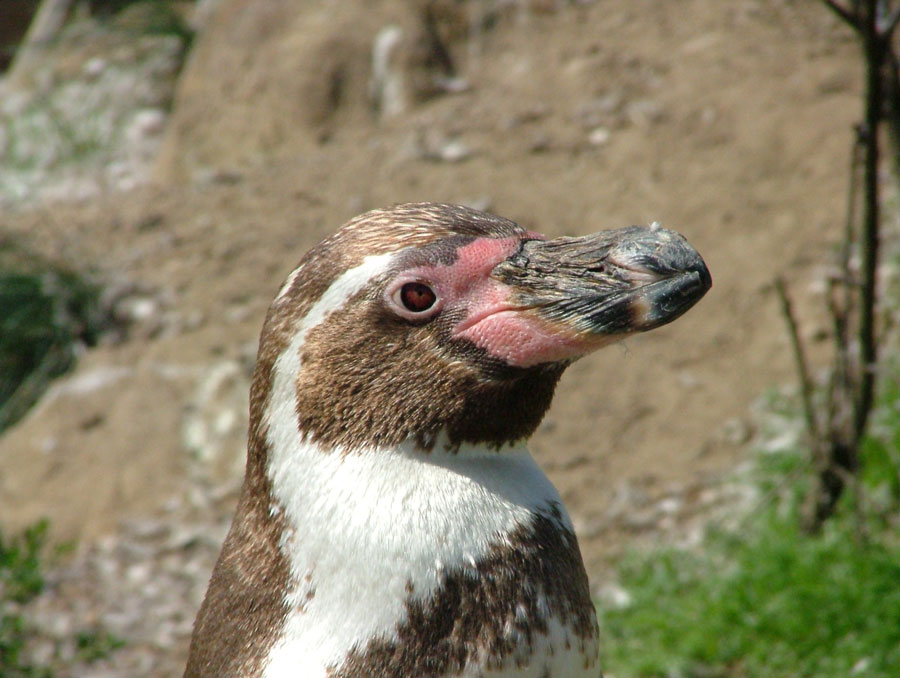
(289, 283)
(281, 415)
(286, 445)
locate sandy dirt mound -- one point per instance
(730, 122)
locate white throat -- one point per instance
(370, 528)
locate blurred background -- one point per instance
(164, 165)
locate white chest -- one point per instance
(372, 531)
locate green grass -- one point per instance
(96, 644)
(46, 312)
(772, 601)
(21, 580)
(24, 559)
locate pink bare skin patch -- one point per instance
(522, 339)
(494, 320)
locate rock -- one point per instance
(388, 87)
(613, 595)
(92, 117)
(540, 143)
(599, 136)
(645, 112)
(454, 151)
(214, 424)
(736, 431)
(431, 147)
(452, 85)
(688, 380)
(145, 124)
(93, 68)
(85, 383)
(600, 110)
(670, 505)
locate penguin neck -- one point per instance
(368, 530)
(405, 492)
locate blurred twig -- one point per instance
(806, 385)
(44, 28)
(836, 433)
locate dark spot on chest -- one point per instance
(490, 614)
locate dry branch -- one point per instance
(45, 26)
(837, 432)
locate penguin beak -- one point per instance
(606, 284)
(553, 301)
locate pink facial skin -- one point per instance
(493, 320)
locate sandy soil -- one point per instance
(730, 122)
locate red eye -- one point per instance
(417, 297)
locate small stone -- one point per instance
(146, 123)
(147, 528)
(93, 68)
(593, 113)
(388, 86)
(736, 431)
(139, 309)
(861, 666)
(645, 112)
(139, 573)
(599, 136)
(14, 102)
(540, 143)
(237, 314)
(454, 151)
(670, 505)
(688, 380)
(454, 85)
(194, 320)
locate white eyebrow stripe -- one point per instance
(289, 283)
(281, 414)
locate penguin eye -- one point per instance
(412, 299)
(417, 297)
